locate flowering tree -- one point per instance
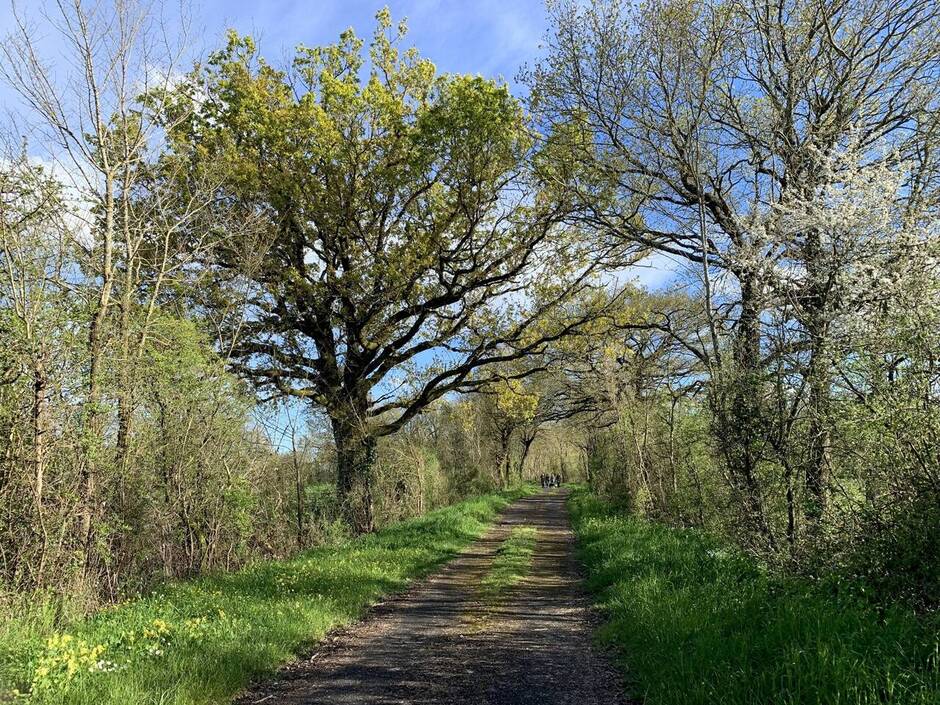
(711, 132)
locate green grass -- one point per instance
(511, 564)
(697, 623)
(201, 641)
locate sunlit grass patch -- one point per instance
(511, 564)
(697, 624)
(201, 641)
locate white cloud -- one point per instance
(77, 216)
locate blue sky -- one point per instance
(491, 37)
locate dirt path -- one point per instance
(438, 643)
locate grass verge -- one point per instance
(696, 623)
(511, 564)
(201, 641)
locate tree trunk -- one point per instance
(791, 509)
(40, 430)
(125, 403)
(739, 415)
(502, 470)
(527, 441)
(820, 455)
(355, 458)
(815, 305)
(92, 430)
(299, 498)
(40, 423)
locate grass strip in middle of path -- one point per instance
(511, 564)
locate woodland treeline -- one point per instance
(248, 306)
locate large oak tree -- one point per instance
(406, 248)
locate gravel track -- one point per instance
(438, 643)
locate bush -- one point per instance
(897, 557)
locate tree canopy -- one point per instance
(404, 239)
